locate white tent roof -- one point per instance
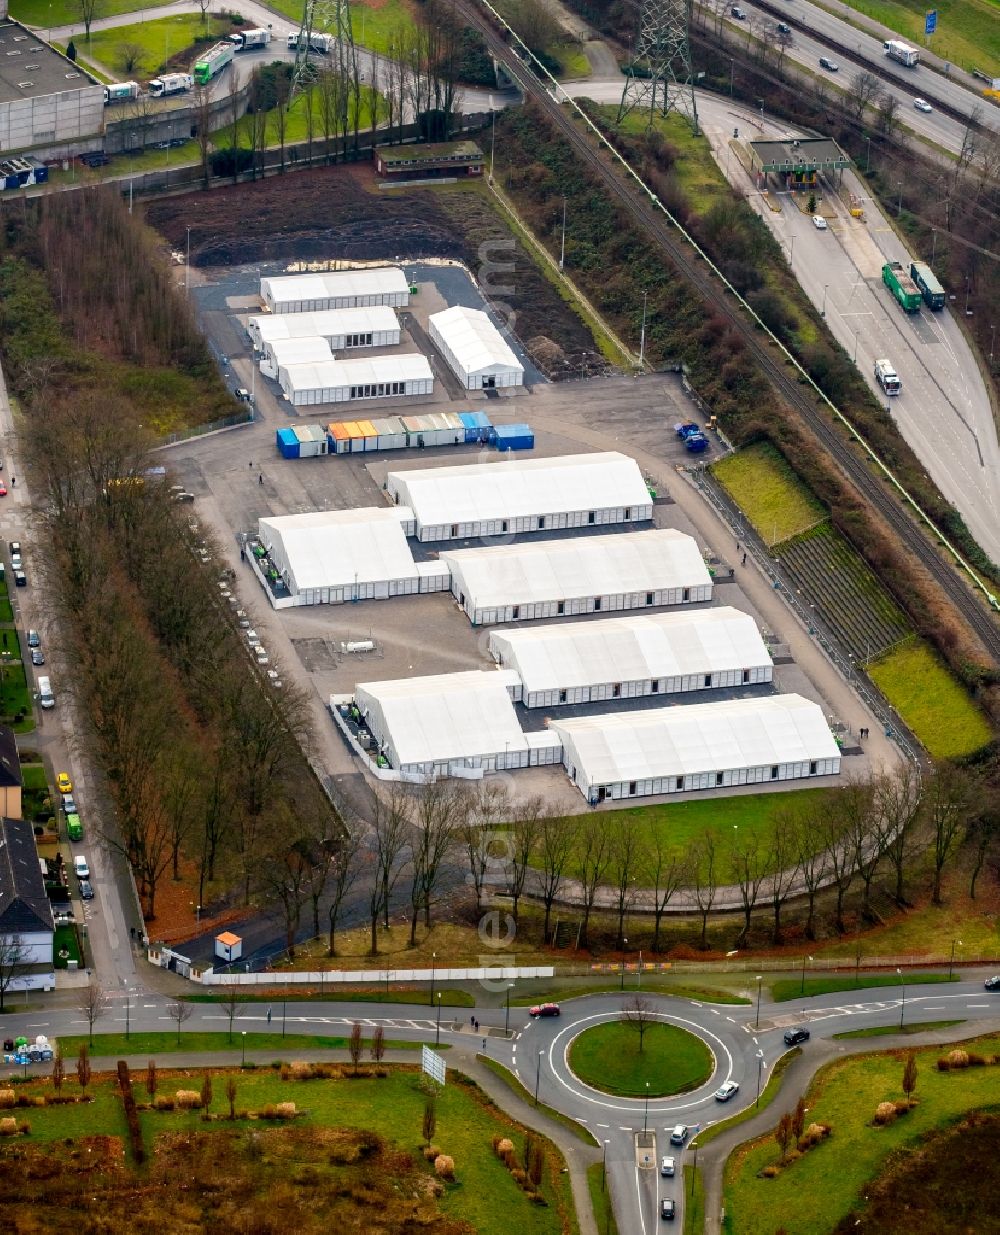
(447, 716)
(325, 323)
(583, 566)
(309, 350)
(631, 649)
(333, 548)
(371, 281)
(517, 487)
(331, 374)
(474, 340)
(703, 737)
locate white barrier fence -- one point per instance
(342, 977)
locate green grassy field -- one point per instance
(159, 39)
(449, 998)
(33, 776)
(65, 940)
(885, 1031)
(694, 1201)
(572, 57)
(810, 1196)
(792, 988)
(651, 983)
(600, 1199)
(607, 1057)
(48, 13)
(511, 1081)
(486, 1196)
(15, 697)
(968, 31)
(697, 172)
(932, 702)
(373, 25)
(768, 492)
(768, 1094)
(165, 1042)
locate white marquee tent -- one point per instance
(627, 657)
(332, 556)
(343, 329)
(342, 381)
(698, 746)
(449, 723)
(309, 349)
(522, 495)
(475, 350)
(586, 574)
(340, 289)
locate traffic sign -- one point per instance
(930, 21)
(432, 1064)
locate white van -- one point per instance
(80, 867)
(887, 377)
(45, 696)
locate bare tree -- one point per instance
(525, 839)
(232, 1005)
(888, 106)
(87, 10)
(864, 91)
(387, 843)
(627, 858)
(130, 56)
(284, 879)
(83, 1067)
(783, 1134)
(638, 1014)
(704, 881)
(667, 870)
(201, 100)
(231, 1095)
(93, 1004)
(832, 835)
(203, 6)
(556, 837)
(813, 863)
(483, 810)
(898, 801)
(439, 809)
(947, 805)
(206, 1091)
(14, 954)
(429, 1122)
(378, 1044)
(58, 1069)
(346, 868)
(746, 869)
(179, 1011)
(982, 834)
(910, 1076)
(591, 856)
(781, 864)
(282, 104)
(152, 1081)
(355, 1045)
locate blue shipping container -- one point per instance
(477, 426)
(514, 437)
(287, 443)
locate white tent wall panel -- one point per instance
(640, 689)
(382, 590)
(576, 605)
(727, 779)
(563, 520)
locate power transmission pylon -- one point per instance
(319, 17)
(659, 78)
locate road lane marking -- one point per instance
(977, 1005)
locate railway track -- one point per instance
(638, 201)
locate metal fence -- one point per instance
(213, 426)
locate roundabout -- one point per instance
(664, 1060)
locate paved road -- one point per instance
(745, 1041)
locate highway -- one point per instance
(746, 1041)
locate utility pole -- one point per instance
(562, 250)
(659, 78)
(642, 336)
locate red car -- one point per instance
(545, 1009)
(3, 489)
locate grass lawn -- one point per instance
(884, 1031)
(600, 1199)
(791, 988)
(607, 1057)
(14, 696)
(165, 1042)
(449, 998)
(33, 776)
(650, 985)
(159, 39)
(66, 12)
(65, 939)
(968, 31)
(510, 1080)
(768, 1094)
(696, 171)
(932, 702)
(485, 1195)
(694, 1201)
(572, 57)
(810, 1196)
(372, 24)
(768, 492)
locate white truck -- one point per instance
(317, 42)
(116, 91)
(170, 83)
(244, 40)
(903, 52)
(887, 377)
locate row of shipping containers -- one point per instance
(399, 433)
(16, 173)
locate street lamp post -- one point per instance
(244, 1059)
(642, 336)
(433, 967)
(854, 358)
(187, 264)
(437, 1031)
(899, 204)
(638, 980)
(604, 1167)
(951, 963)
(760, 978)
(902, 1002)
(127, 1010)
(968, 281)
(645, 1113)
(868, 160)
(625, 943)
(760, 1069)
(538, 1073)
(506, 1019)
(802, 989)
(562, 248)
(822, 312)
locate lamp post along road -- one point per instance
(645, 1112)
(437, 1031)
(756, 1023)
(902, 1002)
(433, 956)
(538, 1073)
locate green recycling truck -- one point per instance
(898, 282)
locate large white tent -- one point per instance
(522, 495)
(339, 289)
(627, 657)
(475, 350)
(343, 329)
(309, 349)
(332, 556)
(342, 381)
(699, 746)
(449, 723)
(585, 574)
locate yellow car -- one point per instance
(63, 783)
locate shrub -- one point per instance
(300, 1070)
(163, 1103)
(24, 1128)
(976, 1061)
(269, 1111)
(520, 1177)
(37, 1100)
(538, 1199)
(943, 1065)
(818, 1131)
(8, 1126)
(958, 1058)
(503, 1145)
(769, 1172)
(431, 1152)
(285, 1110)
(904, 1106)
(444, 1166)
(885, 1113)
(187, 1099)
(8, 1098)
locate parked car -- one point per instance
(678, 1134)
(668, 1210)
(36, 657)
(15, 559)
(81, 867)
(20, 579)
(739, 13)
(86, 890)
(15, 547)
(63, 783)
(34, 639)
(3, 489)
(667, 1166)
(993, 984)
(546, 1009)
(794, 1036)
(922, 105)
(729, 1090)
(819, 223)
(68, 804)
